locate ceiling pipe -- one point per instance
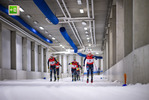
(88, 14)
(73, 23)
(93, 16)
(68, 39)
(42, 5)
(77, 18)
(69, 22)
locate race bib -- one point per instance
(89, 60)
(53, 62)
(57, 66)
(74, 66)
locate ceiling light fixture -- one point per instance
(48, 20)
(86, 32)
(85, 28)
(41, 28)
(88, 38)
(81, 11)
(21, 9)
(84, 23)
(53, 38)
(28, 16)
(87, 35)
(50, 35)
(97, 53)
(61, 45)
(79, 2)
(89, 45)
(35, 22)
(46, 32)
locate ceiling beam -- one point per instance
(73, 23)
(68, 22)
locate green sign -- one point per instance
(14, 10)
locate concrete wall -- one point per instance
(6, 72)
(140, 23)
(6, 49)
(19, 52)
(36, 58)
(28, 55)
(135, 65)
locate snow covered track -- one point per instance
(67, 90)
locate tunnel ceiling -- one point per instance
(100, 12)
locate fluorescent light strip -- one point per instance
(35, 22)
(53, 38)
(84, 23)
(48, 20)
(86, 32)
(28, 16)
(97, 53)
(79, 2)
(46, 32)
(21, 9)
(41, 28)
(85, 28)
(81, 11)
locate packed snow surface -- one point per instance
(65, 89)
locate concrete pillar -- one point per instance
(99, 64)
(107, 55)
(78, 59)
(65, 64)
(119, 30)
(60, 61)
(113, 29)
(32, 56)
(101, 67)
(45, 59)
(110, 48)
(70, 59)
(140, 23)
(39, 58)
(13, 50)
(128, 44)
(0, 45)
(24, 53)
(104, 59)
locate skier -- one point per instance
(57, 69)
(73, 69)
(52, 62)
(89, 66)
(78, 72)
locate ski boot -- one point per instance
(87, 81)
(58, 79)
(50, 80)
(91, 80)
(54, 79)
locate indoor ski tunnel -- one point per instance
(74, 49)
